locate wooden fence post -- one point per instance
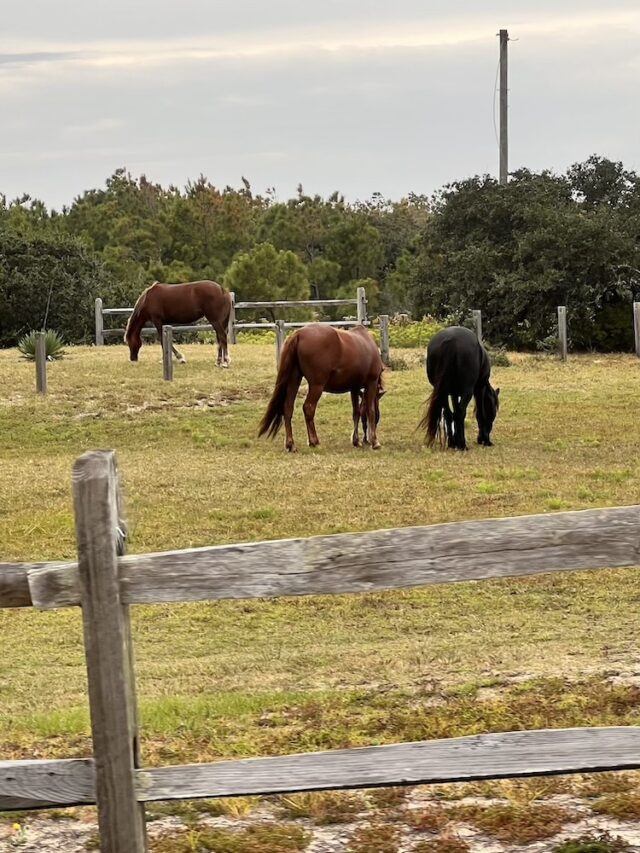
(280, 336)
(99, 323)
(477, 321)
(167, 353)
(636, 326)
(41, 363)
(562, 331)
(384, 338)
(231, 331)
(362, 306)
(107, 641)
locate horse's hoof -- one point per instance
(376, 446)
(355, 442)
(182, 360)
(292, 449)
(224, 364)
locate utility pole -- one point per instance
(504, 127)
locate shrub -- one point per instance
(54, 345)
(32, 269)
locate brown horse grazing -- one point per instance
(180, 304)
(330, 360)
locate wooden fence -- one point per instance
(359, 302)
(105, 584)
(562, 329)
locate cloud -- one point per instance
(285, 44)
(386, 101)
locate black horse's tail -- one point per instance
(433, 416)
(272, 420)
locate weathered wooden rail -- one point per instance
(105, 585)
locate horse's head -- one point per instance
(486, 410)
(133, 339)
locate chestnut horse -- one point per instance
(330, 360)
(180, 304)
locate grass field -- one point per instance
(242, 678)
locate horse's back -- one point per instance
(186, 301)
(339, 359)
(456, 358)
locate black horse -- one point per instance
(458, 367)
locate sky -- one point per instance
(360, 96)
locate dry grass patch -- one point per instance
(259, 838)
(623, 805)
(601, 843)
(323, 808)
(427, 818)
(515, 824)
(442, 844)
(389, 798)
(374, 838)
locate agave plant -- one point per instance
(54, 345)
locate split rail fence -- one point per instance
(105, 584)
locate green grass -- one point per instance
(222, 678)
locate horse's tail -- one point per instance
(272, 420)
(433, 415)
(134, 317)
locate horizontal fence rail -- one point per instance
(364, 562)
(47, 784)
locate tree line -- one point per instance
(515, 252)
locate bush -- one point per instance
(410, 334)
(34, 268)
(53, 343)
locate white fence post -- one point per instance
(384, 338)
(477, 321)
(99, 323)
(41, 363)
(362, 306)
(167, 353)
(562, 331)
(280, 336)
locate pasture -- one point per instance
(256, 677)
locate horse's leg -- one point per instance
(158, 324)
(370, 395)
(309, 409)
(289, 402)
(221, 335)
(459, 413)
(355, 405)
(448, 419)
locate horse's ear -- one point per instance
(497, 392)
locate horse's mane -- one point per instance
(137, 310)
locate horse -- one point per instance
(458, 367)
(330, 360)
(181, 304)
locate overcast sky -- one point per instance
(393, 96)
